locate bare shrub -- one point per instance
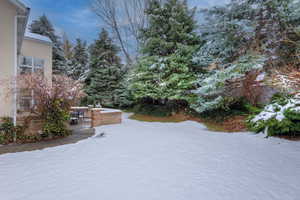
(252, 87)
(52, 100)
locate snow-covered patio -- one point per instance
(156, 161)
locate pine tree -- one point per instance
(67, 46)
(238, 38)
(171, 25)
(166, 72)
(79, 61)
(44, 27)
(268, 27)
(105, 72)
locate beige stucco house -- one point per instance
(20, 52)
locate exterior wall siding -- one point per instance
(7, 56)
(39, 50)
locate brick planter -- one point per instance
(104, 116)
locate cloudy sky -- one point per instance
(75, 18)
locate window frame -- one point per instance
(33, 67)
(29, 98)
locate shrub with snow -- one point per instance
(281, 117)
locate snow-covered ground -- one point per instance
(156, 161)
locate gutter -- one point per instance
(19, 4)
(37, 40)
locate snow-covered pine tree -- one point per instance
(245, 33)
(105, 71)
(166, 72)
(44, 27)
(78, 67)
(267, 27)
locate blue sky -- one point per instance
(75, 18)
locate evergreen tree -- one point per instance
(166, 71)
(79, 61)
(105, 72)
(268, 27)
(44, 27)
(67, 46)
(242, 36)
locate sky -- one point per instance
(75, 18)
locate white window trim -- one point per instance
(33, 67)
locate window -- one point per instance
(38, 63)
(25, 100)
(26, 61)
(29, 65)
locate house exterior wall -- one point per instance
(40, 50)
(7, 56)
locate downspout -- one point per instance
(15, 71)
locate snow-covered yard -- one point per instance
(156, 161)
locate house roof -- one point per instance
(37, 37)
(19, 5)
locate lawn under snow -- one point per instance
(156, 161)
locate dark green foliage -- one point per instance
(292, 115)
(166, 72)
(56, 118)
(8, 131)
(79, 61)
(152, 110)
(44, 27)
(281, 117)
(252, 109)
(227, 108)
(104, 80)
(171, 25)
(148, 106)
(124, 97)
(281, 98)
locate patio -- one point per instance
(86, 117)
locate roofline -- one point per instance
(37, 40)
(19, 4)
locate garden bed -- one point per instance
(231, 124)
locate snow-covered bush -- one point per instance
(282, 116)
